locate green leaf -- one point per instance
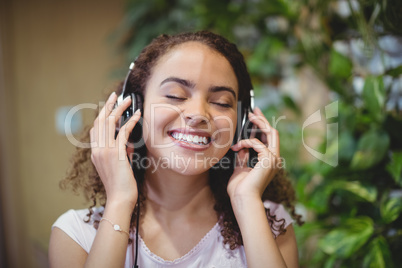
(395, 167)
(340, 65)
(371, 149)
(374, 97)
(330, 262)
(349, 238)
(347, 145)
(367, 192)
(309, 231)
(319, 198)
(288, 101)
(259, 62)
(391, 209)
(379, 255)
(395, 72)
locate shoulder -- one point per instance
(277, 216)
(77, 225)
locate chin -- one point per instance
(190, 171)
(185, 162)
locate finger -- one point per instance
(262, 123)
(93, 143)
(115, 115)
(108, 107)
(266, 157)
(273, 135)
(241, 158)
(255, 144)
(93, 132)
(100, 123)
(121, 107)
(125, 131)
(92, 137)
(273, 143)
(257, 111)
(270, 135)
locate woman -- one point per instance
(195, 211)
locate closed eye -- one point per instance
(225, 105)
(175, 97)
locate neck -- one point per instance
(174, 196)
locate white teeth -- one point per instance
(190, 138)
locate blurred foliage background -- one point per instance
(351, 193)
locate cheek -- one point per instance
(225, 130)
(158, 118)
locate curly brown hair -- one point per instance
(82, 174)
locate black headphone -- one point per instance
(136, 103)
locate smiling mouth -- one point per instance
(192, 139)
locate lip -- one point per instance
(191, 146)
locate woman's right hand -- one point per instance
(109, 154)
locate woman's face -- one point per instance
(190, 109)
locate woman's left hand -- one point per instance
(247, 181)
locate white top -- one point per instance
(209, 252)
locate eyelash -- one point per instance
(175, 98)
(224, 105)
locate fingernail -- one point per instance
(138, 111)
(127, 98)
(111, 95)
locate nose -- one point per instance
(196, 113)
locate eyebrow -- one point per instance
(190, 84)
(222, 88)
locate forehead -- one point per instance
(197, 62)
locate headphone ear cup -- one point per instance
(128, 113)
(137, 103)
(240, 125)
(235, 137)
(245, 133)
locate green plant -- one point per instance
(355, 206)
